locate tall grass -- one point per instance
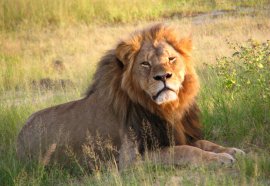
(16, 13)
(239, 106)
(232, 115)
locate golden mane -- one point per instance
(113, 80)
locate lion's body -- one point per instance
(117, 101)
(66, 125)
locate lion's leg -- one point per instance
(185, 154)
(176, 155)
(128, 153)
(212, 147)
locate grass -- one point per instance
(18, 13)
(234, 113)
(241, 94)
(33, 52)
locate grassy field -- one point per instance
(49, 51)
(20, 13)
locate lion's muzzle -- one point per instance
(166, 94)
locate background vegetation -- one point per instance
(16, 13)
(48, 54)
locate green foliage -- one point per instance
(235, 99)
(248, 69)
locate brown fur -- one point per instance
(181, 115)
(116, 106)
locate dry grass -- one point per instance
(33, 52)
(15, 14)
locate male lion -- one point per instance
(142, 98)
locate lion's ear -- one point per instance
(126, 50)
(123, 51)
(186, 45)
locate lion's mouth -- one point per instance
(159, 92)
(165, 95)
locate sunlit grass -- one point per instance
(16, 13)
(31, 55)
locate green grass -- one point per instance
(20, 13)
(240, 105)
(232, 115)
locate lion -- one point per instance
(142, 98)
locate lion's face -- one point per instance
(159, 71)
(155, 62)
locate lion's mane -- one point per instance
(137, 111)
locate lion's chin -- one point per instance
(166, 96)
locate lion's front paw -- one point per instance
(225, 159)
(234, 151)
(220, 158)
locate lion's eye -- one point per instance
(172, 59)
(146, 64)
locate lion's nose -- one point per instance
(163, 77)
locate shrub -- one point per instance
(248, 69)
